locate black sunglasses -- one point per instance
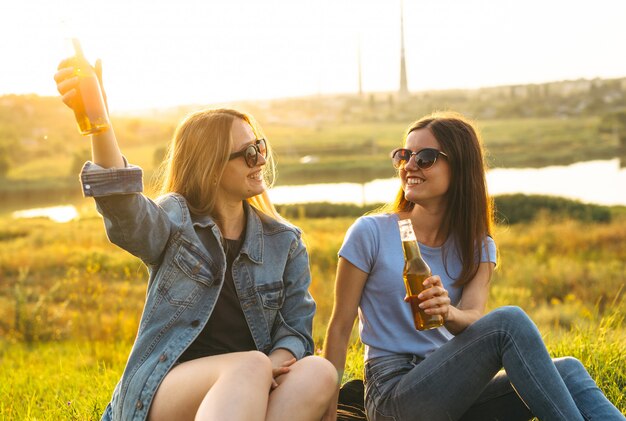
(251, 153)
(424, 158)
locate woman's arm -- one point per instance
(349, 285)
(105, 151)
(472, 304)
(295, 332)
(132, 221)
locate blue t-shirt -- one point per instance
(386, 327)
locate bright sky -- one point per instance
(162, 53)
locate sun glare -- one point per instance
(194, 51)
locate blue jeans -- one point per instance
(463, 380)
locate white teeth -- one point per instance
(414, 180)
(256, 176)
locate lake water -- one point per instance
(600, 182)
(61, 214)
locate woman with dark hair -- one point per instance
(455, 371)
(226, 328)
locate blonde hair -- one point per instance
(198, 154)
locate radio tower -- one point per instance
(359, 59)
(404, 90)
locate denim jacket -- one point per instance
(271, 275)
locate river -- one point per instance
(599, 182)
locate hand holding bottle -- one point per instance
(434, 299)
(80, 87)
(418, 279)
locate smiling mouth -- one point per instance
(256, 176)
(412, 181)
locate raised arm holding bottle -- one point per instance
(226, 329)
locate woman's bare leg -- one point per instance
(231, 386)
(304, 393)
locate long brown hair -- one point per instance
(469, 212)
(198, 154)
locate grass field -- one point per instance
(70, 304)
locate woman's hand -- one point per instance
(67, 81)
(434, 299)
(281, 361)
(278, 371)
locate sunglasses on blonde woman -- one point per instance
(424, 159)
(251, 153)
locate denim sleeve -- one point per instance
(295, 332)
(98, 181)
(132, 221)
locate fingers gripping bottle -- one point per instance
(90, 109)
(415, 271)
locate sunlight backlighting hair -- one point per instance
(469, 210)
(198, 154)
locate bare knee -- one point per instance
(253, 364)
(321, 375)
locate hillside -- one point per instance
(345, 137)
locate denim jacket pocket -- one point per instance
(182, 281)
(272, 297)
(194, 265)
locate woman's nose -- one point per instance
(412, 163)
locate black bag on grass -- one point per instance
(351, 401)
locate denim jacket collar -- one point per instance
(253, 241)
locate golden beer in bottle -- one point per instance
(90, 109)
(416, 270)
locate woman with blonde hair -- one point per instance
(226, 328)
(476, 366)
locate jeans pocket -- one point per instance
(381, 375)
(379, 370)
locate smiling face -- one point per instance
(240, 182)
(425, 186)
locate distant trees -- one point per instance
(510, 209)
(79, 157)
(4, 164)
(615, 123)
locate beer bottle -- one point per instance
(90, 109)
(415, 271)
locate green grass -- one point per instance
(58, 380)
(70, 303)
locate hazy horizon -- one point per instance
(205, 52)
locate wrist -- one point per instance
(450, 315)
